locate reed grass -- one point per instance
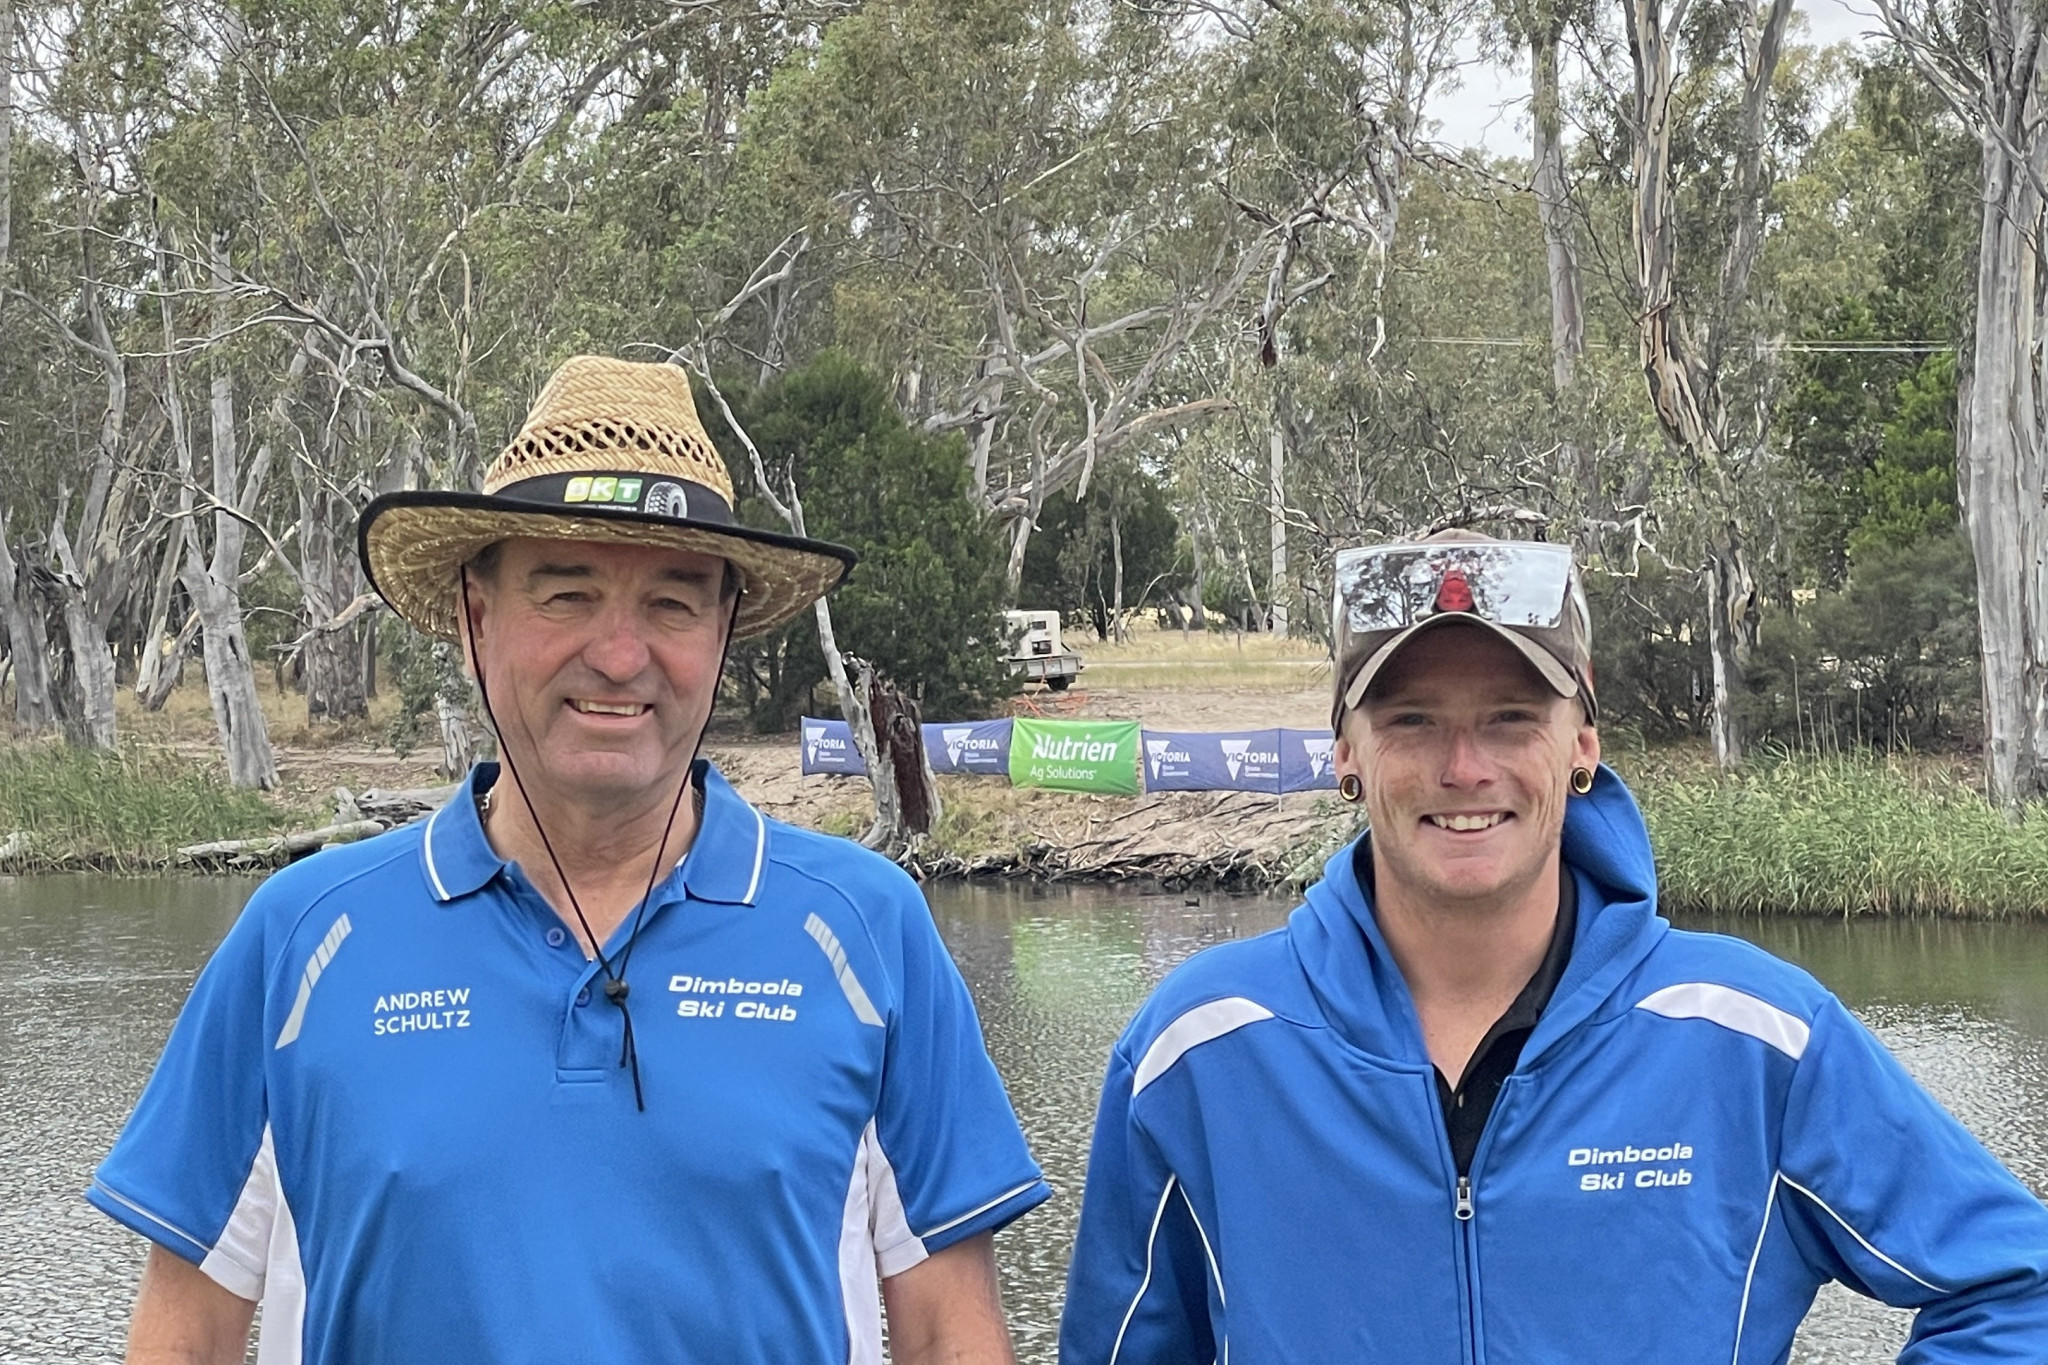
(122, 811)
(1839, 835)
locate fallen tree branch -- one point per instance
(273, 847)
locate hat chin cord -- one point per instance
(616, 988)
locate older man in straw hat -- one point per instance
(597, 1063)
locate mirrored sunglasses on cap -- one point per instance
(1526, 591)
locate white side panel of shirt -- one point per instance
(257, 1257)
(874, 1241)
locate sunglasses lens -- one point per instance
(1389, 587)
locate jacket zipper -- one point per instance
(1468, 1281)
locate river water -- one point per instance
(93, 969)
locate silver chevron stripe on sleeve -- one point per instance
(315, 965)
(863, 1008)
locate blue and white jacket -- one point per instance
(1697, 1136)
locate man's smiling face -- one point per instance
(1465, 754)
(602, 664)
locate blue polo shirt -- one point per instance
(393, 1109)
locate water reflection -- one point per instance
(92, 971)
(1056, 973)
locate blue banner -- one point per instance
(978, 747)
(829, 748)
(1305, 761)
(1212, 760)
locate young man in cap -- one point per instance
(1478, 1102)
(597, 1063)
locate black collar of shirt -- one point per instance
(1528, 1006)
(1468, 1105)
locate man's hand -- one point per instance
(947, 1310)
(183, 1318)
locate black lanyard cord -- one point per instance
(616, 988)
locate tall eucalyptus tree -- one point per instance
(1988, 62)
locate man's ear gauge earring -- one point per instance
(1582, 780)
(1349, 787)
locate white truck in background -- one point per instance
(1037, 652)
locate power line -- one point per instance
(1845, 347)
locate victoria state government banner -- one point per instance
(1075, 755)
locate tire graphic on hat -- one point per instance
(667, 500)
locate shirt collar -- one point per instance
(730, 855)
(725, 863)
(1535, 996)
(454, 853)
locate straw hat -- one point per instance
(612, 451)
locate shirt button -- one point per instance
(555, 937)
(583, 997)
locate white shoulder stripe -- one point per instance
(760, 852)
(427, 847)
(1199, 1025)
(1731, 1009)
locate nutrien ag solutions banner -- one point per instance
(829, 748)
(1075, 755)
(1212, 761)
(978, 747)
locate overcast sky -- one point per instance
(1491, 108)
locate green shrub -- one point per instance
(924, 605)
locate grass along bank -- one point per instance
(124, 811)
(1838, 836)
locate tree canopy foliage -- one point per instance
(1014, 294)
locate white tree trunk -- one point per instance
(216, 594)
(28, 646)
(2002, 470)
(1013, 569)
(150, 668)
(457, 749)
(214, 584)
(1276, 514)
(1685, 381)
(1567, 319)
(231, 688)
(1116, 589)
(89, 720)
(167, 664)
(1728, 593)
